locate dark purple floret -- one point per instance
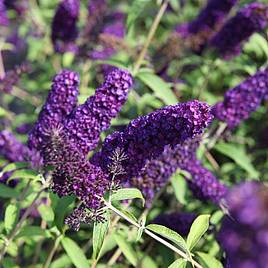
(24, 128)
(197, 32)
(157, 172)
(61, 100)
(3, 14)
(250, 19)
(211, 15)
(12, 78)
(203, 183)
(73, 173)
(64, 28)
(244, 235)
(15, 151)
(88, 120)
(242, 100)
(11, 148)
(96, 13)
(179, 222)
(145, 138)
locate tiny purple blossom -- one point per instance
(88, 120)
(251, 18)
(145, 138)
(244, 234)
(64, 28)
(61, 100)
(242, 100)
(3, 14)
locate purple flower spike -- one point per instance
(177, 221)
(61, 100)
(145, 138)
(64, 29)
(157, 172)
(204, 185)
(250, 19)
(72, 173)
(3, 14)
(244, 235)
(10, 148)
(242, 100)
(87, 121)
(200, 30)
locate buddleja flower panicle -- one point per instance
(61, 100)
(3, 14)
(64, 28)
(242, 100)
(243, 234)
(145, 138)
(88, 120)
(251, 18)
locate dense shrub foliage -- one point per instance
(133, 133)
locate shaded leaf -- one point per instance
(160, 88)
(198, 228)
(239, 155)
(11, 217)
(75, 253)
(127, 249)
(99, 232)
(127, 193)
(180, 263)
(209, 261)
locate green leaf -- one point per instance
(134, 11)
(67, 59)
(100, 230)
(160, 88)
(148, 262)
(28, 231)
(62, 262)
(11, 217)
(127, 193)
(7, 192)
(239, 155)
(75, 253)
(25, 174)
(46, 213)
(198, 228)
(170, 235)
(13, 166)
(142, 223)
(209, 261)
(127, 249)
(180, 263)
(61, 209)
(179, 187)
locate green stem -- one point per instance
(152, 235)
(150, 36)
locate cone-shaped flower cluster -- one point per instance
(87, 121)
(243, 235)
(73, 173)
(157, 172)
(250, 19)
(64, 28)
(3, 14)
(61, 100)
(200, 30)
(242, 100)
(64, 134)
(177, 221)
(12, 149)
(145, 138)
